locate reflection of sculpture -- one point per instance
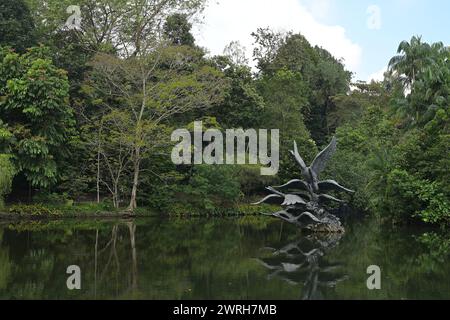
(303, 206)
(300, 262)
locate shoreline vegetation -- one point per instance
(38, 211)
(86, 116)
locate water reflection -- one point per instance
(300, 262)
(242, 258)
(112, 265)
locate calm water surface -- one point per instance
(242, 258)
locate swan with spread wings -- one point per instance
(302, 205)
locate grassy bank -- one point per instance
(96, 210)
(53, 211)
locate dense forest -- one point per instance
(86, 114)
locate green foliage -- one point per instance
(53, 198)
(34, 106)
(349, 108)
(425, 70)
(400, 165)
(408, 195)
(284, 94)
(251, 181)
(34, 210)
(16, 25)
(177, 30)
(68, 53)
(210, 187)
(85, 208)
(391, 170)
(438, 246)
(112, 24)
(323, 75)
(7, 172)
(243, 106)
(393, 136)
(128, 128)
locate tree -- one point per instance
(123, 34)
(209, 187)
(115, 26)
(349, 108)
(267, 43)
(411, 60)
(34, 107)
(109, 138)
(177, 30)
(285, 95)
(397, 146)
(329, 78)
(243, 106)
(149, 90)
(16, 25)
(235, 52)
(323, 74)
(423, 71)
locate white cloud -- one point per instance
(235, 20)
(320, 9)
(377, 76)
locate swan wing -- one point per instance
(298, 158)
(333, 185)
(319, 163)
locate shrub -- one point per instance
(409, 197)
(34, 210)
(251, 181)
(211, 189)
(215, 185)
(6, 175)
(53, 198)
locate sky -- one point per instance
(365, 33)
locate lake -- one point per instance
(223, 258)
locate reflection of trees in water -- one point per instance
(5, 264)
(34, 258)
(213, 259)
(113, 261)
(301, 262)
(174, 259)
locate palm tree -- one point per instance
(412, 57)
(423, 71)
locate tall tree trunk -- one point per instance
(95, 263)
(137, 149)
(98, 160)
(98, 175)
(116, 196)
(136, 168)
(134, 269)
